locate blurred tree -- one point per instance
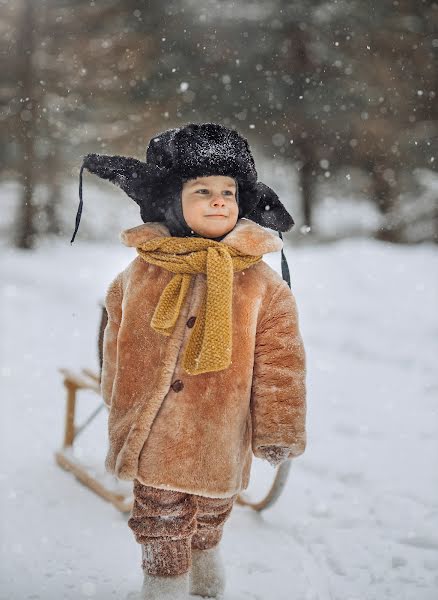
(25, 127)
(323, 84)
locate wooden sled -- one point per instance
(65, 457)
(106, 487)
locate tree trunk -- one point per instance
(385, 191)
(54, 194)
(307, 178)
(25, 227)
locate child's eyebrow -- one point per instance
(201, 182)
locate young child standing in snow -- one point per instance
(203, 364)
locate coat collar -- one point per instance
(247, 236)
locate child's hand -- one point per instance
(275, 455)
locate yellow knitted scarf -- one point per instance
(209, 346)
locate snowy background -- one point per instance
(358, 519)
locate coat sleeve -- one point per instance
(113, 305)
(278, 392)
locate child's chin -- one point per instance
(217, 229)
(218, 232)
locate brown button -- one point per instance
(177, 385)
(191, 321)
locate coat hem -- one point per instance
(187, 490)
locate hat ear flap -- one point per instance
(139, 180)
(133, 176)
(269, 211)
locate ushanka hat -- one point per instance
(182, 153)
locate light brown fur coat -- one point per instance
(201, 439)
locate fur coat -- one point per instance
(198, 433)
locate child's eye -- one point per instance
(229, 192)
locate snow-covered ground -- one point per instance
(358, 519)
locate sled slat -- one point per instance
(79, 381)
(91, 374)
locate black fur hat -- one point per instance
(176, 155)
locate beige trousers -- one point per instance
(169, 524)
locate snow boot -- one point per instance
(159, 587)
(207, 576)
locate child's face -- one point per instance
(204, 198)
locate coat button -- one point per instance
(177, 385)
(191, 321)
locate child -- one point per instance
(204, 363)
